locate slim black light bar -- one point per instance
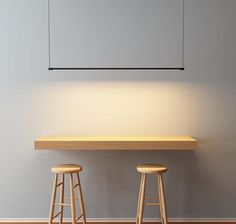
(119, 68)
(111, 68)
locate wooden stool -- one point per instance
(62, 170)
(158, 170)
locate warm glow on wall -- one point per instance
(117, 108)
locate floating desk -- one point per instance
(115, 143)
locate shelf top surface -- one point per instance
(117, 138)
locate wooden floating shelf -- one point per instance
(115, 143)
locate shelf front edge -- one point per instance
(190, 144)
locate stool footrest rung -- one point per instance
(56, 215)
(76, 185)
(152, 204)
(59, 184)
(79, 217)
(63, 204)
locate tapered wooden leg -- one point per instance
(53, 200)
(72, 195)
(62, 198)
(162, 199)
(159, 193)
(139, 199)
(142, 200)
(81, 200)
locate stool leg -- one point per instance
(72, 195)
(62, 197)
(141, 200)
(160, 202)
(81, 200)
(53, 200)
(162, 199)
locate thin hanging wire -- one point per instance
(183, 40)
(49, 38)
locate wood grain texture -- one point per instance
(116, 143)
(66, 168)
(151, 168)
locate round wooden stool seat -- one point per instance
(151, 168)
(66, 168)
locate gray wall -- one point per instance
(199, 101)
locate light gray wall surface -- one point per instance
(199, 101)
(117, 33)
